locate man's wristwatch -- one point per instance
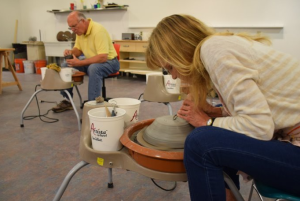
(210, 122)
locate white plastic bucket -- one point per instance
(132, 107)
(106, 131)
(66, 74)
(172, 86)
(28, 67)
(43, 71)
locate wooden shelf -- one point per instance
(120, 8)
(133, 49)
(133, 61)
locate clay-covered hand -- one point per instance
(67, 52)
(73, 62)
(191, 114)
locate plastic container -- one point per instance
(43, 70)
(19, 65)
(38, 65)
(131, 106)
(172, 86)
(66, 74)
(28, 67)
(106, 131)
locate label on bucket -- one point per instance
(106, 131)
(131, 106)
(98, 134)
(134, 117)
(17, 66)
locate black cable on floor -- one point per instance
(40, 115)
(175, 185)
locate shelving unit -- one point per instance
(120, 8)
(132, 57)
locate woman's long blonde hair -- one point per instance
(177, 41)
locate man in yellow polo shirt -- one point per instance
(92, 40)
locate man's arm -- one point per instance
(74, 51)
(100, 58)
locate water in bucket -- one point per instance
(106, 131)
(132, 107)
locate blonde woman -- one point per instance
(256, 129)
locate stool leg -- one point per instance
(79, 95)
(260, 197)
(75, 110)
(67, 179)
(233, 188)
(251, 191)
(103, 89)
(26, 106)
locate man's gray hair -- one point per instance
(81, 16)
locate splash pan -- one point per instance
(159, 160)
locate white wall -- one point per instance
(143, 15)
(9, 13)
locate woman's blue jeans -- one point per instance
(210, 150)
(96, 73)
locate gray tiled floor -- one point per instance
(36, 158)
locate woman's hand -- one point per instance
(194, 116)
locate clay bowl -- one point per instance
(167, 132)
(159, 160)
(78, 76)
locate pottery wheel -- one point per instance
(141, 141)
(167, 133)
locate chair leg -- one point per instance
(67, 179)
(74, 107)
(251, 191)
(26, 106)
(103, 89)
(233, 188)
(260, 197)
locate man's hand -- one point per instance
(73, 62)
(67, 52)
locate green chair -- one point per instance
(269, 192)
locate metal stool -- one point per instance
(269, 192)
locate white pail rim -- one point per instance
(93, 113)
(124, 102)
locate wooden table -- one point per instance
(4, 52)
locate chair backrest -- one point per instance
(117, 48)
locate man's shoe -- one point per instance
(63, 106)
